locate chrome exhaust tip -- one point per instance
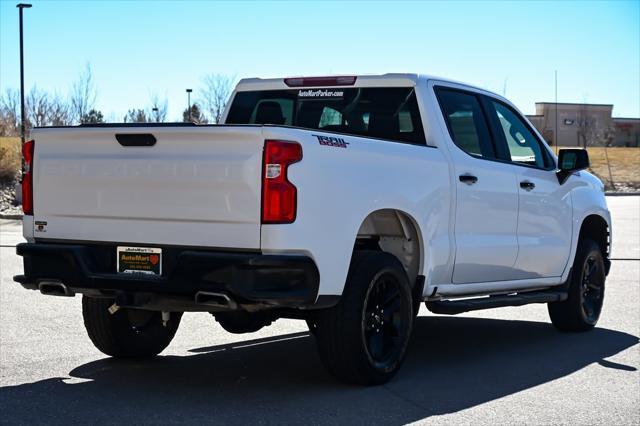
(217, 300)
(54, 288)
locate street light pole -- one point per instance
(20, 7)
(189, 104)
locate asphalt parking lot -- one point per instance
(504, 366)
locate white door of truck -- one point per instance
(486, 217)
(545, 208)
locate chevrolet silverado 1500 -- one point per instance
(343, 201)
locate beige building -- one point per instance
(627, 131)
(568, 124)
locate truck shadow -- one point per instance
(454, 363)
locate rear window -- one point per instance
(385, 113)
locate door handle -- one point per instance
(136, 139)
(468, 179)
(526, 185)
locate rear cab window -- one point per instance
(383, 113)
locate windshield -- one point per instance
(385, 113)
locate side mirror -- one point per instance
(571, 161)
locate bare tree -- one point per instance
(83, 95)
(38, 107)
(158, 113)
(590, 134)
(10, 113)
(587, 128)
(215, 94)
(549, 133)
(41, 108)
(44, 109)
(58, 112)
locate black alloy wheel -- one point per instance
(364, 338)
(585, 291)
(382, 323)
(592, 290)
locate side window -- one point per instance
(330, 117)
(405, 121)
(466, 122)
(522, 145)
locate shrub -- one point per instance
(10, 158)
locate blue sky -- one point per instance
(139, 48)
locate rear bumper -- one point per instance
(248, 278)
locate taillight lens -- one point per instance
(27, 178)
(279, 196)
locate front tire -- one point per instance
(581, 310)
(127, 333)
(364, 338)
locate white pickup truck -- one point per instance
(343, 201)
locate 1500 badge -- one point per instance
(332, 141)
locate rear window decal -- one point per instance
(320, 93)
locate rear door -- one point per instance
(487, 198)
(195, 186)
(545, 208)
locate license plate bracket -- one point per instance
(139, 260)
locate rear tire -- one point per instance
(128, 333)
(581, 310)
(364, 338)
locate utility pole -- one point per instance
(20, 7)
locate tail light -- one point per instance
(279, 196)
(27, 178)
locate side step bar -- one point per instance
(453, 307)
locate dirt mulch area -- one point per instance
(624, 168)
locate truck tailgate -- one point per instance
(196, 186)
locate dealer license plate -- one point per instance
(139, 260)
